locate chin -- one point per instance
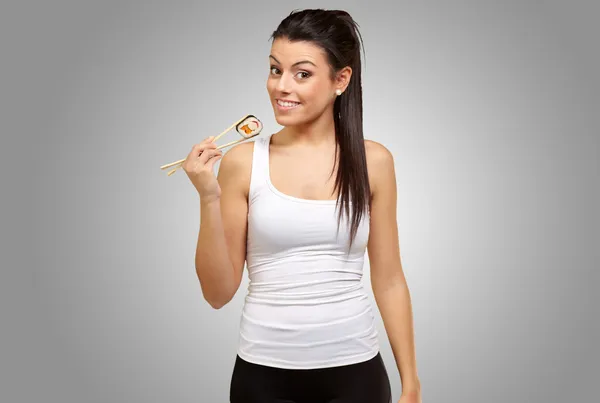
(285, 119)
(289, 121)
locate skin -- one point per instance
(308, 135)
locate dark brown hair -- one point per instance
(336, 32)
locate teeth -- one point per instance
(288, 104)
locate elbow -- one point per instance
(383, 284)
(218, 293)
(216, 296)
(217, 304)
(217, 301)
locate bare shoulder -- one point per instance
(236, 166)
(380, 161)
(239, 155)
(377, 152)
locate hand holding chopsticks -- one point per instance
(247, 127)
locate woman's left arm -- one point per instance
(387, 277)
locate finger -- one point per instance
(211, 162)
(198, 149)
(214, 154)
(205, 148)
(190, 156)
(207, 154)
(204, 144)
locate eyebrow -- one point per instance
(295, 64)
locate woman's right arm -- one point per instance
(221, 247)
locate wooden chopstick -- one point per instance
(182, 160)
(215, 139)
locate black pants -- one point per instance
(364, 382)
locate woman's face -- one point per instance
(299, 73)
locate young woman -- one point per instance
(300, 207)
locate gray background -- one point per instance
(490, 108)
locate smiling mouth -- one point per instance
(286, 104)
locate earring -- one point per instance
(338, 92)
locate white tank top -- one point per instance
(305, 306)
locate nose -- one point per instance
(284, 83)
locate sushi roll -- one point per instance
(249, 127)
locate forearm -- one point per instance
(395, 306)
(213, 264)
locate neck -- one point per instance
(319, 132)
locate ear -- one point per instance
(343, 78)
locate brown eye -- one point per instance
(306, 74)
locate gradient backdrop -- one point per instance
(491, 110)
